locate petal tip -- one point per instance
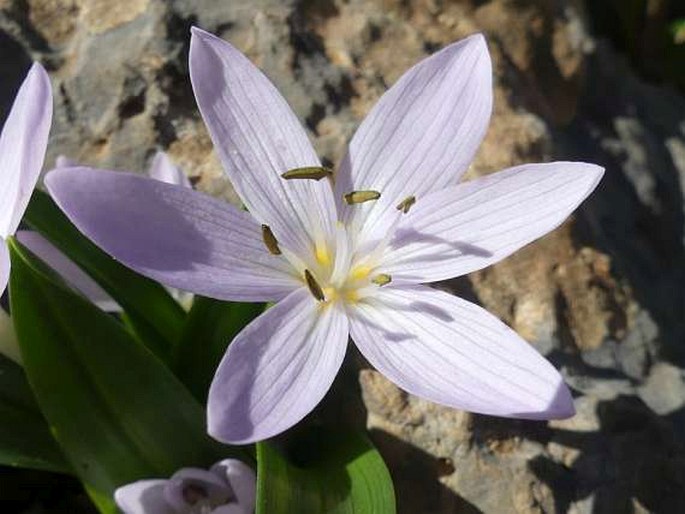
(559, 406)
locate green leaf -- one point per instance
(326, 471)
(155, 316)
(117, 412)
(25, 438)
(210, 327)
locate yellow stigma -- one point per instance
(360, 272)
(323, 256)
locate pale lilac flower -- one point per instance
(337, 269)
(229, 487)
(22, 152)
(161, 169)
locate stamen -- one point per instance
(361, 196)
(382, 279)
(310, 172)
(406, 204)
(270, 240)
(314, 286)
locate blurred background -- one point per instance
(603, 296)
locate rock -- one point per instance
(603, 296)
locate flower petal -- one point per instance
(215, 489)
(63, 161)
(258, 138)
(143, 497)
(22, 147)
(4, 266)
(67, 269)
(422, 134)
(177, 236)
(232, 508)
(470, 226)
(242, 479)
(452, 352)
(164, 170)
(277, 369)
(9, 347)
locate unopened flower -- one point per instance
(22, 152)
(229, 487)
(344, 253)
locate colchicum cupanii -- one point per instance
(345, 254)
(228, 487)
(23, 142)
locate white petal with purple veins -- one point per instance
(421, 135)
(242, 479)
(22, 147)
(258, 138)
(277, 369)
(452, 352)
(478, 223)
(177, 236)
(164, 170)
(143, 497)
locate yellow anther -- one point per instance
(323, 256)
(270, 240)
(310, 172)
(381, 279)
(314, 286)
(361, 197)
(406, 204)
(360, 272)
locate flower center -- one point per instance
(337, 272)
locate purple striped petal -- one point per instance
(475, 224)
(177, 236)
(215, 489)
(143, 497)
(4, 266)
(22, 147)
(277, 369)
(242, 479)
(258, 137)
(67, 269)
(164, 170)
(452, 352)
(422, 134)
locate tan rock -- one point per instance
(103, 15)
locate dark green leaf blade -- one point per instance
(154, 315)
(337, 472)
(210, 327)
(25, 438)
(117, 412)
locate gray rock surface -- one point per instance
(603, 296)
